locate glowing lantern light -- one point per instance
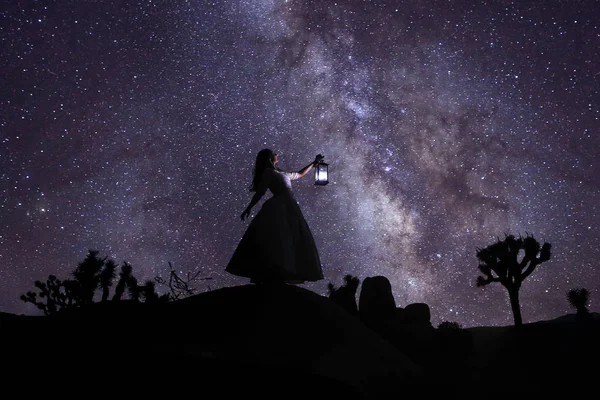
(321, 173)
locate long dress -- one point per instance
(278, 244)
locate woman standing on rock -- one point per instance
(278, 245)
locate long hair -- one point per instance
(264, 160)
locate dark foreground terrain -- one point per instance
(284, 342)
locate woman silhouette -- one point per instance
(278, 245)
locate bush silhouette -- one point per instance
(454, 341)
(180, 287)
(578, 299)
(149, 294)
(345, 295)
(447, 325)
(500, 262)
(91, 274)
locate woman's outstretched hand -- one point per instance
(318, 159)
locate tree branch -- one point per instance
(529, 269)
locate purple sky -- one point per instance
(132, 130)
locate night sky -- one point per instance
(131, 128)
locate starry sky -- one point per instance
(131, 128)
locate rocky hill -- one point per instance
(286, 341)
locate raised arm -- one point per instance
(305, 170)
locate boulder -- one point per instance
(415, 313)
(376, 301)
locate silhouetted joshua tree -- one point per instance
(135, 292)
(71, 288)
(500, 262)
(87, 274)
(124, 277)
(92, 273)
(106, 278)
(149, 294)
(345, 295)
(52, 296)
(578, 299)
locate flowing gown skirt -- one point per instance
(278, 244)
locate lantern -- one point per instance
(321, 176)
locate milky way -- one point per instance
(132, 130)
